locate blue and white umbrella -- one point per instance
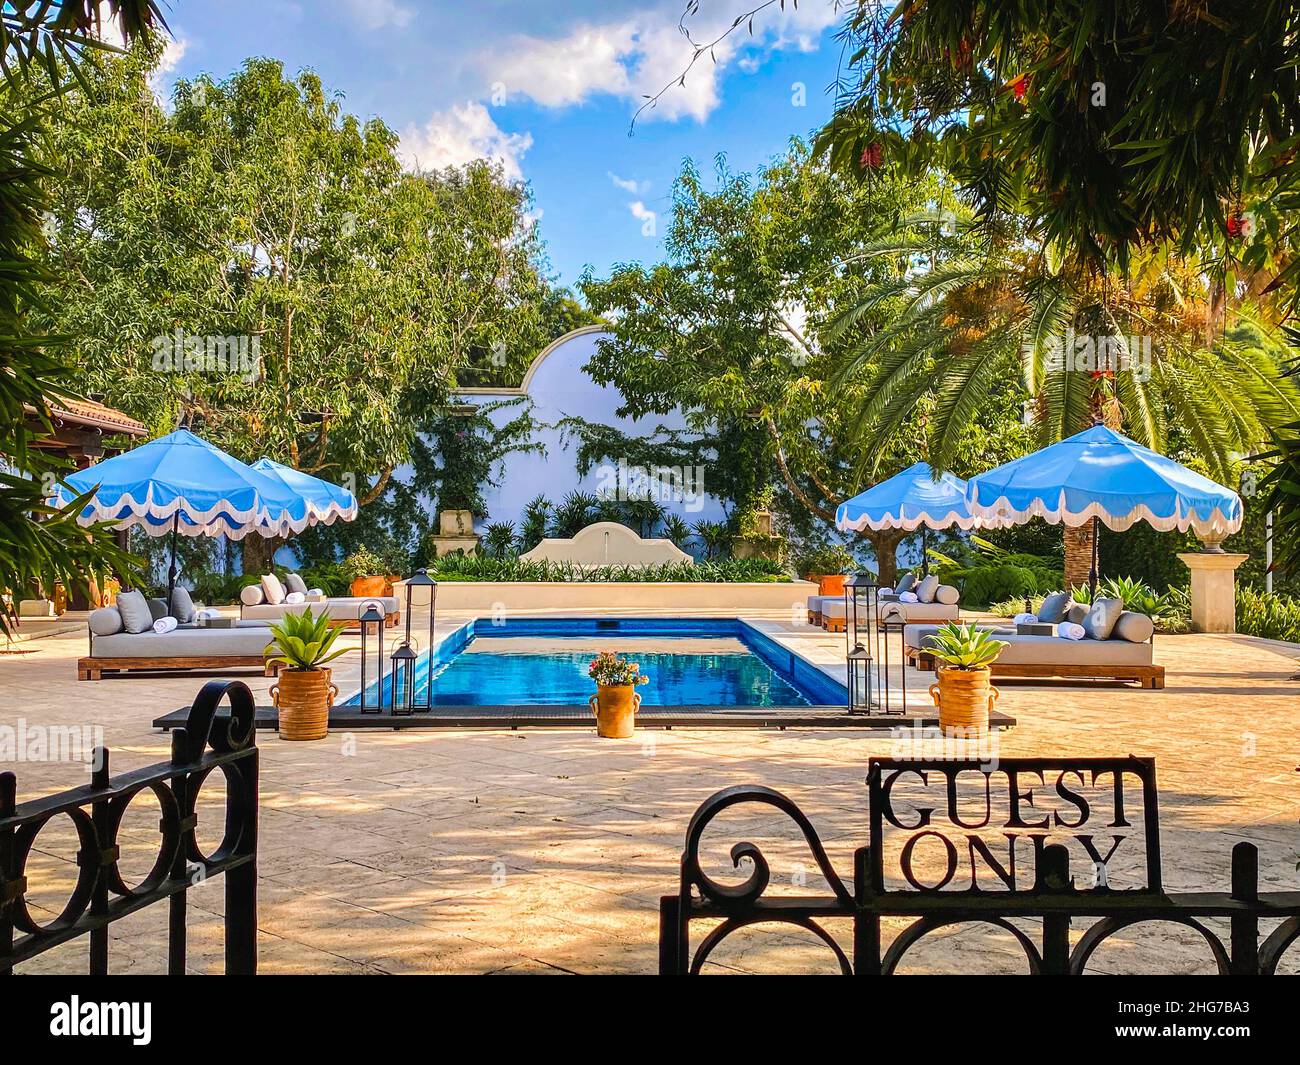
(1102, 474)
(181, 484)
(1099, 475)
(911, 500)
(326, 502)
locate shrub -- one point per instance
(481, 568)
(823, 560)
(1268, 615)
(499, 539)
(982, 585)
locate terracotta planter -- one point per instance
(615, 707)
(964, 698)
(829, 583)
(304, 697)
(367, 587)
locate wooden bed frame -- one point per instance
(1147, 676)
(95, 668)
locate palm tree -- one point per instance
(1086, 348)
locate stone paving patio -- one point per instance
(546, 851)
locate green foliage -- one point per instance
(677, 530)
(363, 563)
(303, 641)
(462, 450)
(40, 44)
(500, 539)
(1273, 617)
(534, 523)
(965, 647)
(823, 560)
(1196, 120)
(982, 585)
(480, 568)
(576, 511)
(714, 537)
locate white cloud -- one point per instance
(460, 135)
(626, 184)
(637, 57)
(378, 14)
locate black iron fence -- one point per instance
(204, 745)
(1045, 798)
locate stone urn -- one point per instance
(456, 523)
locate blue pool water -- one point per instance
(763, 675)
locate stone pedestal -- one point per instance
(1214, 589)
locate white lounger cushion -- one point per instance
(252, 595)
(341, 608)
(1051, 650)
(184, 642)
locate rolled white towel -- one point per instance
(1070, 631)
(315, 595)
(164, 625)
(885, 591)
(207, 614)
(295, 598)
(908, 597)
(1025, 619)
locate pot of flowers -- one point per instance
(365, 572)
(304, 692)
(963, 692)
(616, 702)
(828, 566)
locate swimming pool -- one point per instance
(716, 662)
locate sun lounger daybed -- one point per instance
(115, 649)
(1125, 653)
(268, 602)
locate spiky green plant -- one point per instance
(304, 641)
(965, 647)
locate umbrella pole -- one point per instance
(171, 570)
(925, 551)
(1092, 570)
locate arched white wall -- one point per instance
(560, 388)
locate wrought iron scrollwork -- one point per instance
(1054, 904)
(206, 744)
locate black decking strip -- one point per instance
(778, 717)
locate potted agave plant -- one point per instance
(963, 692)
(304, 692)
(616, 702)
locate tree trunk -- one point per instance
(885, 544)
(1078, 554)
(256, 552)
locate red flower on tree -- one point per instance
(1019, 86)
(871, 156)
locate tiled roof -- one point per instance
(88, 412)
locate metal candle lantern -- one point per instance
(861, 697)
(372, 618)
(422, 590)
(859, 604)
(403, 674)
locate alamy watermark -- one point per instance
(182, 352)
(663, 484)
(21, 742)
(1101, 356)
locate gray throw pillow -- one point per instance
(158, 608)
(295, 583)
(1054, 608)
(134, 608)
(105, 621)
(182, 605)
(925, 591)
(1101, 618)
(905, 583)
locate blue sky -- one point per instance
(548, 88)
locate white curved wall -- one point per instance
(560, 388)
